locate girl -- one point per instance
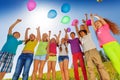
(26, 58)
(40, 57)
(52, 56)
(91, 54)
(63, 59)
(8, 52)
(106, 40)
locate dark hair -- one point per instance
(72, 33)
(65, 48)
(113, 26)
(83, 31)
(27, 41)
(16, 32)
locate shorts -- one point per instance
(52, 58)
(6, 62)
(40, 57)
(62, 58)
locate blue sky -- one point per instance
(10, 10)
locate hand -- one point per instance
(65, 30)
(19, 20)
(83, 21)
(38, 28)
(59, 31)
(28, 28)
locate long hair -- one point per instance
(60, 49)
(113, 27)
(27, 41)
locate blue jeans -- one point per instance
(24, 60)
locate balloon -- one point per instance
(31, 5)
(75, 22)
(52, 13)
(68, 29)
(99, 0)
(65, 8)
(88, 22)
(112, 51)
(65, 20)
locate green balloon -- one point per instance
(65, 20)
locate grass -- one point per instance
(113, 74)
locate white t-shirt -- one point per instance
(63, 52)
(87, 42)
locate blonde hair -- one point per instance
(113, 26)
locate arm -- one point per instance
(38, 34)
(77, 30)
(101, 19)
(26, 34)
(85, 26)
(13, 25)
(92, 21)
(58, 37)
(66, 35)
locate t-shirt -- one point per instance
(52, 48)
(11, 44)
(75, 45)
(30, 45)
(63, 52)
(42, 48)
(104, 36)
(87, 42)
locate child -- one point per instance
(40, 57)
(9, 50)
(26, 58)
(77, 55)
(106, 40)
(91, 54)
(63, 59)
(52, 56)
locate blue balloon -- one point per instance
(65, 8)
(52, 14)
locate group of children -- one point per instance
(47, 51)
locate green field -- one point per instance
(113, 74)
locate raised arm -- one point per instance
(13, 25)
(26, 34)
(77, 30)
(66, 34)
(85, 25)
(38, 34)
(92, 21)
(101, 19)
(58, 37)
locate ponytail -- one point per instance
(113, 27)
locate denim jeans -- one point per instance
(24, 60)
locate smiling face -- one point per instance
(45, 37)
(53, 40)
(16, 35)
(72, 35)
(98, 24)
(32, 37)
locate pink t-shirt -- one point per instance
(52, 48)
(104, 35)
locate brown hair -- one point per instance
(65, 48)
(113, 27)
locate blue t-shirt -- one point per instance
(11, 44)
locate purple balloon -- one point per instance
(68, 29)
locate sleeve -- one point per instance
(20, 42)
(106, 26)
(79, 41)
(9, 36)
(68, 41)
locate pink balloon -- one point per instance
(75, 22)
(31, 5)
(88, 22)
